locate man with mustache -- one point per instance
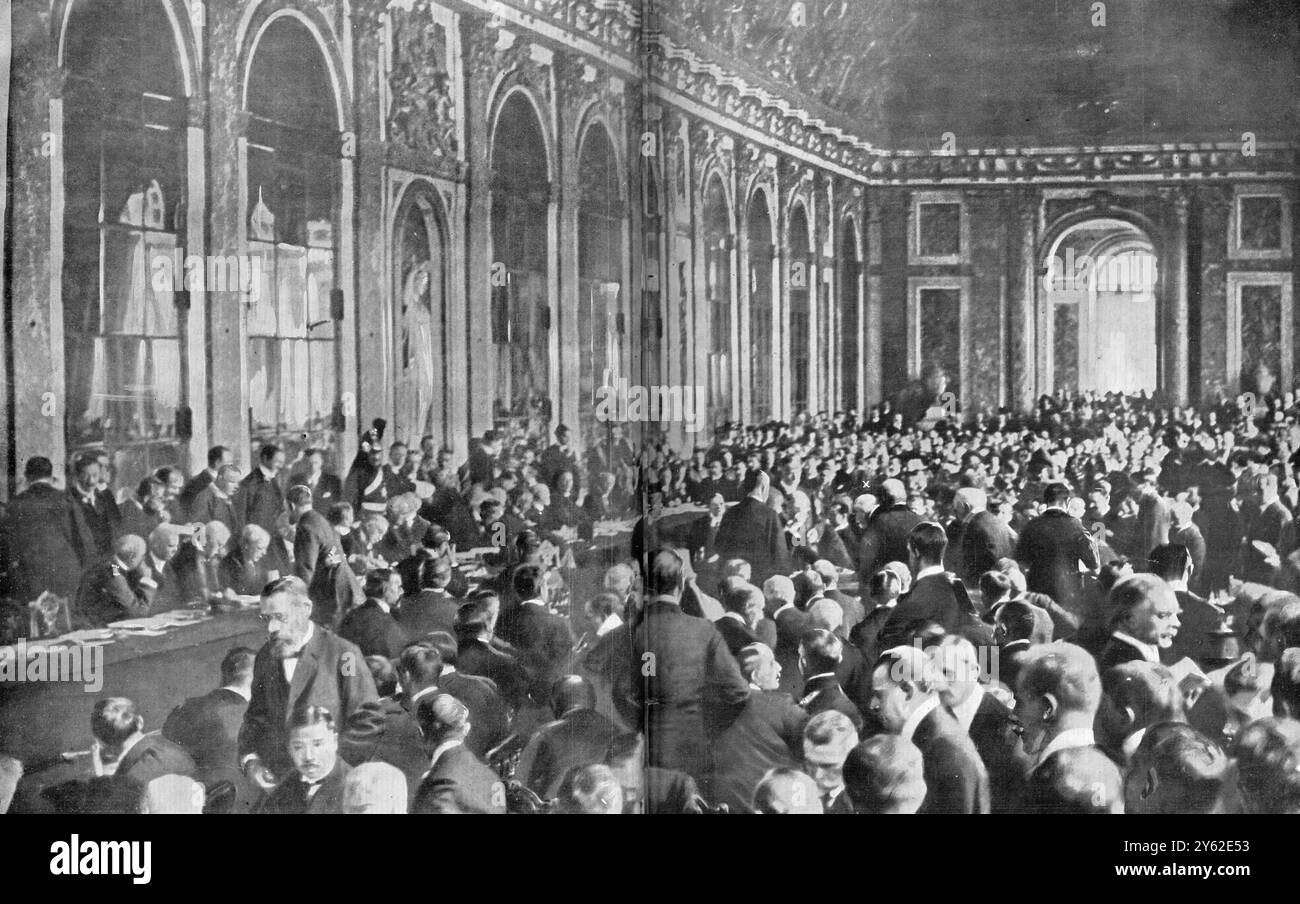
(301, 664)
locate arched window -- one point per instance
(419, 327)
(293, 201)
(801, 275)
(600, 264)
(718, 242)
(124, 222)
(760, 304)
(521, 249)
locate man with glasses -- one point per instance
(301, 664)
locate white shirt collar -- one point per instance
(441, 749)
(782, 608)
(965, 711)
(237, 690)
(1066, 740)
(265, 473)
(1130, 745)
(611, 622)
(533, 602)
(424, 692)
(736, 615)
(1149, 652)
(926, 572)
(1177, 585)
(156, 564)
(216, 491)
(915, 719)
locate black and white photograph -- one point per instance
(714, 407)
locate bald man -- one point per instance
(374, 788)
(114, 588)
(784, 791)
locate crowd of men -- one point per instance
(1087, 609)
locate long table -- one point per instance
(39, 720)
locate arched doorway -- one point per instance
(521, 192)
(718, 242)
(762, 249)
(800, 275)
(600, 274)
(419, 319)
(1101, 285)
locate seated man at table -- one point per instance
(197, 563)
(113, 589)
(563, 516)
(604, 502)
(433, 608)
(316, 783)
(246, 569)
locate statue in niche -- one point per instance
(415, 379)
(1263, 380)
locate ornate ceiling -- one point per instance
(1045, 73)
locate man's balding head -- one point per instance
(1176, 770)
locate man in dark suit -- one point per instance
(386, 730)
(768, 733)
(704, 529)
(750, 530)
(1154, 519)
(433, 608)
(853, 674)
(827, 740)
(542, 639)
(820, 654)
(140, 758)
(457, 781)
(1057, 696)
(1017, 626)
(316, 783)
(112, 589)
(557, 457)
(1143, 621)
(371, 625)
(1052, 547)
(47, 542)
(988, 720)
(480, 653)
(905, 687)
(326, 489)
(693, 690)
(301, 664)
(580, 736)
(886, 536)
(246, 569)
(97, 508)
(208, 726)
(215, 502)
(936, 596)
(218, 456)
(1266, 521)
(603, 502)
(260, 498)
(313, 537)
(489, 719)
(790, 621)
(984, 538)
(1198, 618)
(744, 605)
